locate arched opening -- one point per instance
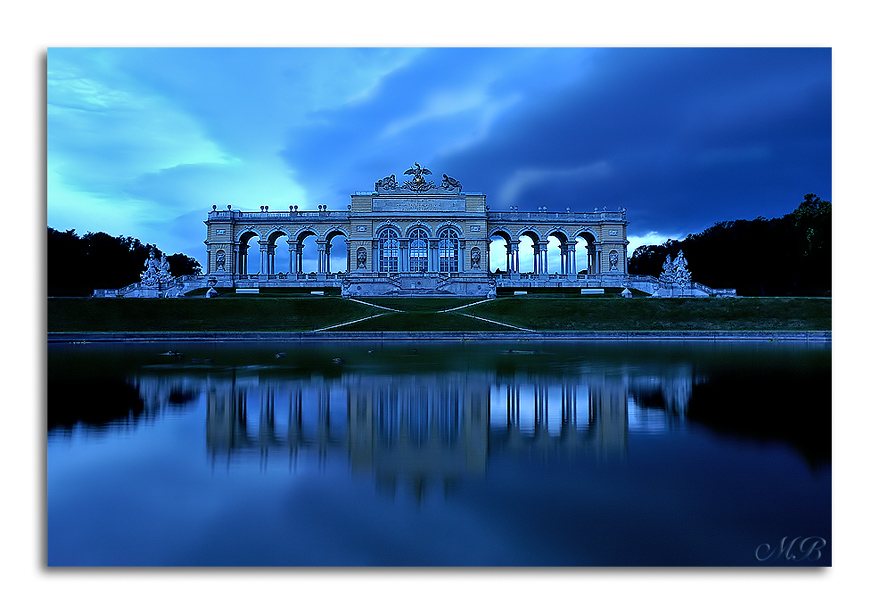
(248, 257)
(554, 254)
(586, 246)
(277, 254)
(500, 252)
(560, 254)
(337, 253)
(304, 255)
(529, 252)
(582, 256)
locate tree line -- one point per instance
(79, 265)
(787, 256)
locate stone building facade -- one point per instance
(418, 238)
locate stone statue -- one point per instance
(681, 274)
(450, 183)
(164, 271)
(221, 261)
(475, 258)
(157, 271)
(668, 274)
(361, 258)
(613, 259)
(387, 183)
(150, 275)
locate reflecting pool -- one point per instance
(419, 454)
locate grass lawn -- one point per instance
(618, 314)
(259, 313)
(428, 305)
(218, 314)
(422, 321)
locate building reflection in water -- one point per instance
(412, 431)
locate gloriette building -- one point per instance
(422, 236)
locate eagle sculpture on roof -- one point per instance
(418, 171)
(418, 182)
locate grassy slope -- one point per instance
(421, 321)
(539, 313)
(795, 314)
(238, 314)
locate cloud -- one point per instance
(523, 179)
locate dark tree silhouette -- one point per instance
(181, 264)
(788, 256)
(79, 265)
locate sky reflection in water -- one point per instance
(433, 455)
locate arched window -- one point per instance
(448, 251)
(388, 250)
(418, 250)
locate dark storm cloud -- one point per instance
(682, 138)
(689, 137)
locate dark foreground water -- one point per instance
(574, 454)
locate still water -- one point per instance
(497, 454)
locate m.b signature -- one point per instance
(794, 550)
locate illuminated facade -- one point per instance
(417, 238)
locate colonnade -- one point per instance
(295, 257)
(540, 263)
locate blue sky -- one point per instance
(142, 141)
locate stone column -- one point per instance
(209, 262)
(542, 257)
(296, 251)
(322, 245)
(264, 260)
(403, 255)
(433, 255)
(291, 251)
(515, 248)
